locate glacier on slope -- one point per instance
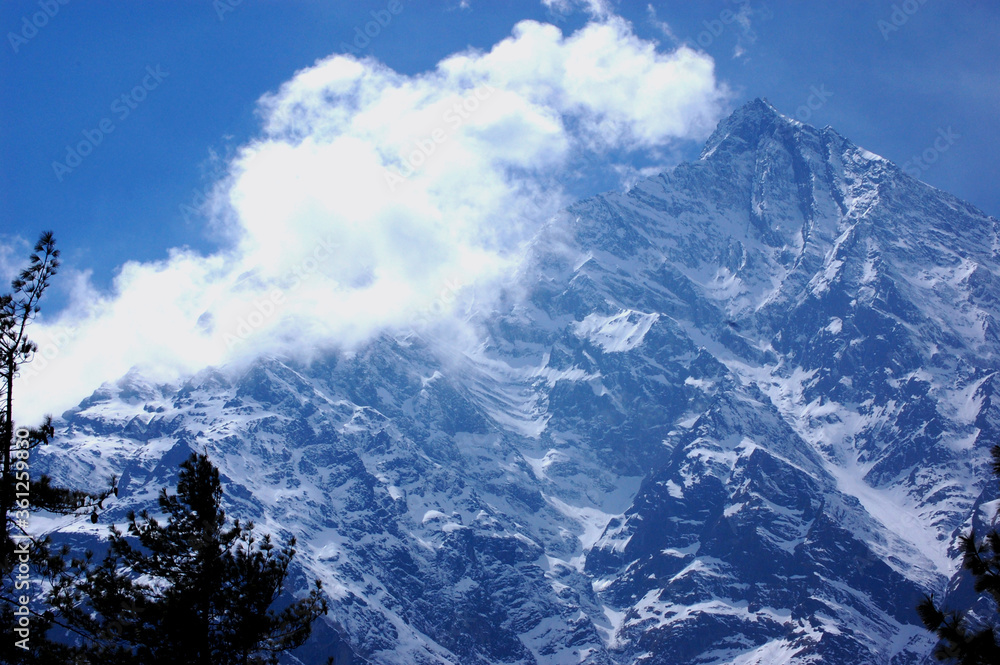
(739, 416)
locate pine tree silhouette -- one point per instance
(960, 643)
(26, 559)
(188, 591)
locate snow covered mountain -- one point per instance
(738, 414)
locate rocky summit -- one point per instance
(738, 414)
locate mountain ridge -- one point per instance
(740, 416)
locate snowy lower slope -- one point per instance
(740, 417)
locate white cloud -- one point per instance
(662, 26)
(373, 200)
(746, 36)
(599, 9)
(13, 258)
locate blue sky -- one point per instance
(892, 76)
(891, 95)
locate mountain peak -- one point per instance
(758, 106)
(748, 122)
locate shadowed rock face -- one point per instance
(741, 413)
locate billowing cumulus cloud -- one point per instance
(376, 201)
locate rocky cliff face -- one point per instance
(737, 414)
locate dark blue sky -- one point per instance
(887, 79)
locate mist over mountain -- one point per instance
(737, 414)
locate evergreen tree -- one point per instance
(25, 559)
(960, 642)
(17, 309)
(190, 591)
